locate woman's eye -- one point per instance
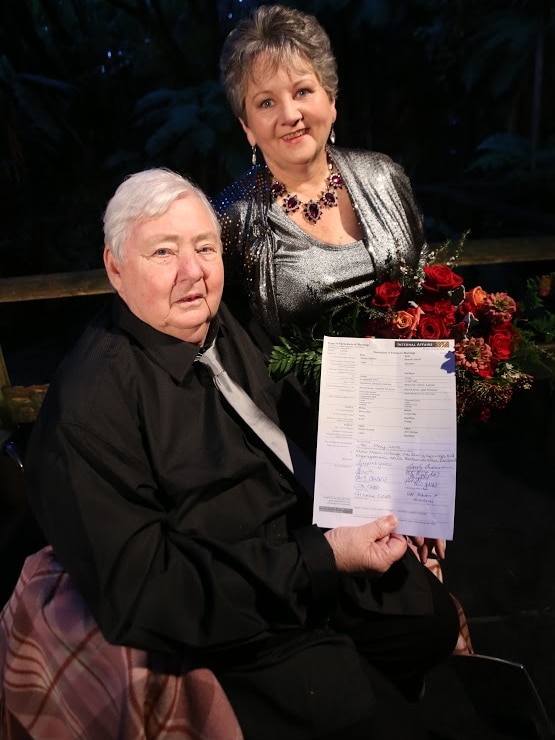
(266, 103)
(162, 252)
(303, 92)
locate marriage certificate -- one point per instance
(387, 434)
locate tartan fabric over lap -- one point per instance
(61, 679)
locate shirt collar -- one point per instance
(173, 355)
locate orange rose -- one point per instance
(475, 296)
(416, 312)
(402, 324)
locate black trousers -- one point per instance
(356, 677)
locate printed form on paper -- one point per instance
(387, 434)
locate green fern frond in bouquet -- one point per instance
(300, 351)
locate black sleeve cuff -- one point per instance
(319, 561)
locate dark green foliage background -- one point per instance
(459, 91)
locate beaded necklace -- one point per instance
(313, 209)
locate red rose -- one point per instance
(465, 308)
(431, 327)
(501, 341)
(485, 371)
(442, 308)
(440, 279)
(458, 331)
(387, 294)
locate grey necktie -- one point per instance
(268, 431)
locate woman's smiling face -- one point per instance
(288, 114)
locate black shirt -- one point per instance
(177, 525)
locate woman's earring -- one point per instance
(253, 157)
(332, 135)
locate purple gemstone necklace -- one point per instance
(313, 209)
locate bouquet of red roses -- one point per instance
(432, 304)
(480, 323)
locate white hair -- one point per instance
(146, 194)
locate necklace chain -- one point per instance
(313, 209)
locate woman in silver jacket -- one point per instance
(314, 224)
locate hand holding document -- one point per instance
(387, 435)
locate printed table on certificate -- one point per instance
(387, 434)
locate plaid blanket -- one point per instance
(60, 680)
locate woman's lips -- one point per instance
(295, 135)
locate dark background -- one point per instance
(459, 91)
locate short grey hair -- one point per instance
(283, 35)
(146, 194)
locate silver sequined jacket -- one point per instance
(383, 200)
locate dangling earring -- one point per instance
(253, 157)
(332, 135)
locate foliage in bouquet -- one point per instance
(536, 323)
(431, 303)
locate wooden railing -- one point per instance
(53, 285)
(19, 404)
(95, 282)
